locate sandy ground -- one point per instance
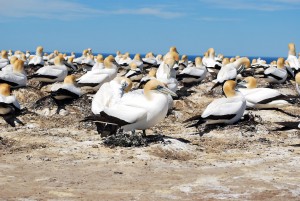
(56, 157)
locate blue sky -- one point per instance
(232, 27)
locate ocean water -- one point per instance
(190, 57)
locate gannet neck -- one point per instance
(5, 89)
(229, 88)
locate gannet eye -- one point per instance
(159, 87)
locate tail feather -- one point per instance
(287, 126)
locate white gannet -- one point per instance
(110, 93)
(159, 59)
(138, 61)
(292, 59)
(15, 78)
(125, 60)
(151, 75)
(82, 58)
(261, 98)
(9, 105)
(27, 54)
(9, 67)
(149, 60)
(118, 56)
(4, 59)
(37, 60)
(276, 75)
(167, 75)
(183, 63)
(227, 110)
(210, 62)
(139, 109)
(99, 63)
(88, 62)
(70, 65)
(92, 80)
(193, 74)
(173, 54)
(50, 74)
(229, 71)
(135, 74)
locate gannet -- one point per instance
(193, 74)
(292, 59)
(92, 80)
(140, 109)
(88, 62)
(9, 105)
(15, 78)
(9, 67)
(4, 59)
(227, 110)
(118, 56)
(149, 60)
(50, 74)
(67, 90)
(37, 59)
(151, 75)
(173, 54)
(27, 54)
(276, 75)
(159, 59)
(167, 75)
(138, 61)
(210, 61)
(125, 60)
(135, 74)
(261, 97)
(99, 63)
(83, 56)
(110, 93)
(229, 71)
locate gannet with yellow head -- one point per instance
(93, 80)
(210, 62)
(9, 105)
(297, 79)
(193, 74)
(66, 91)
(149, 60)
(292, 59)
(53, 73)
(99, 63)
(37, 60)
(151, 75)
(9, 67)
(15, 78)
(4, 61)
(167, 74)
(125, 60)
(261, 98)
(140, 109)
(88, 62)
(227, 110)
(138, 61)
(82, 58)
(276, 75)
(135, 74)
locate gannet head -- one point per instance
(109, 61)
(211, 52)
(100, 58)
(232, 59)
(173, 49)
(126, 84)
(152, 72)
(221, 56)
(18, 66)
(198, 61)
(225, 61)
(55, 52)
(229, 88)
(184, 58)
(70, 79)
(39, 50)
(4, 54)
(249, 82)
(237, 57)
(297, 78)
(118, 53)
(70, 59)
(292, 49)
(254, 61)
(159, 57)
(137, 57)
(149, 55)
(133, 66)
(58, 60)
(5, 89)
(206, 54)
(244, 61)
(280, 63)
(84, 53)
(13, 59)
(170, 62)
(156, 86)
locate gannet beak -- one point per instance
(241, 84)
(167, 91)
